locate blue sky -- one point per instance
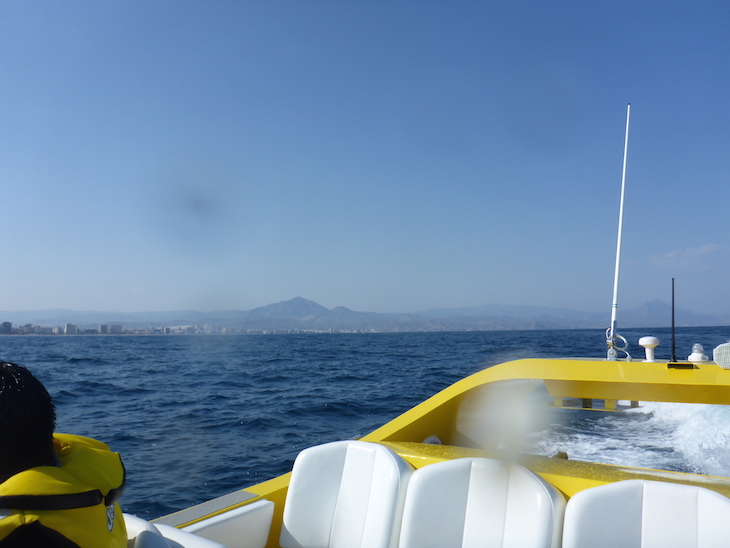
(380, 155)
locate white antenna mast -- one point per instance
(611, 334)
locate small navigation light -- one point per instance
(649, 344)
(698, 354)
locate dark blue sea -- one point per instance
(198, 416)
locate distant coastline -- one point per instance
(300, 315)
(71, 330)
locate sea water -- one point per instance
(198, 416)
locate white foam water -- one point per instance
(665, 436)
(700, 433)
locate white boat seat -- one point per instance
(177, 538)
(480, 502)
(647, 514)
(343, 495)
(142, 534)
(244, 527)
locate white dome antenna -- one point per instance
(649, 344)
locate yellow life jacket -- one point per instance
(78, 499)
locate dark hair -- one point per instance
(27, 419)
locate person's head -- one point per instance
(27, 420)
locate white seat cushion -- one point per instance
(177, 538)
(647, 514)
(244, 527)
(480, 503)
(344, 495)
(142, 534)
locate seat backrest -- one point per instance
(647, 514)
(343, 495)
(480, 502)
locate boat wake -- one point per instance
(700, 433)
(678, 437)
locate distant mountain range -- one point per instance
(302, 314)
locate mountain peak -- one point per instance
(294, 309)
